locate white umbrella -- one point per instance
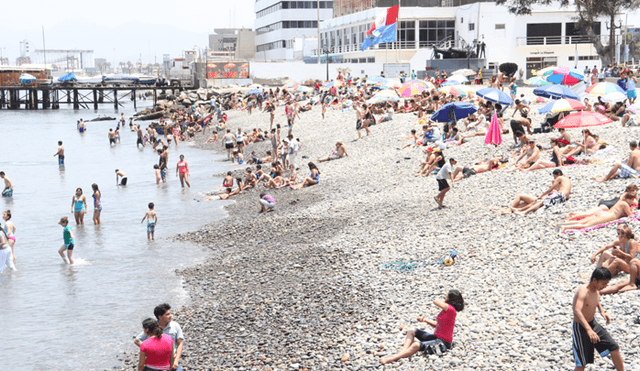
(459, 78)
(464, 72)
(614, 97)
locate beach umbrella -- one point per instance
(304, 89)
(384, 96)
(413, 87)
(582, 119)
(562, 105)
(495, 95)
(211, 65)
(464, 72)
(537, 80)
(459, 78)
(452, 90)
(494, 135)
(467, 89)
(614, 97)
(68, 77)
(25, 78)
(429, 84)
(391, 84)
(546, 71)
(375, 79)
(336, 83)
(555, 92)
(603, 88)
(460, 111)
(246, 65)
(563, 79)
(290, 85)
(254, 92)
(450, 83)
(230, 65)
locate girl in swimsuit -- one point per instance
(79, 206)
(10, 229)
(605, 205)
(183, 170)
(620, 210)
(97, 205)
(617, 260)
(313, 179)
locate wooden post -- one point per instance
(76, 103)
(155, 97)
(95, 99)
(35, 98)
(1, 98)
(28, 99)
(133, 92)
(45, 98)
(101, 96)
(115, 98)
(68, 96)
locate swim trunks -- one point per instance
(112, 141)
(555, 198)
(163, 173)
(7, 192)
(69, 246)
(466, 172)
(442, 184)
(228, 145)
(516, 126)
(151, 227)
(583, 347)
(60, 159)
(123, 182)
(626, 171)
(358, 124)
(631, 94)
(334, 157)
(139, 141)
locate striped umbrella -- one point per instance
(546, 71)
(555, 92)
(562, 105)
(335, 83)
(467, 89)
(565, 76)
(453, 90)
(603, 88)
(413, 87)
(537, 80)
(494, 95)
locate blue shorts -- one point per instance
(151, 227)
(7, 192)
(626, 171)
(632, 94)
(163, 173)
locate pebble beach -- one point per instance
(324, 282)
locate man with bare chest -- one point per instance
(587, 333)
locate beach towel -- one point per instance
(494, 135)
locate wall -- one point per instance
(299, 71)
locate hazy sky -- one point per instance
(119, 29)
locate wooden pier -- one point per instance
(51, 97)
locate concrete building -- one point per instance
(548, 36)
(232, 43)
(279, 23)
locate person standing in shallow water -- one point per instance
(10, 230)
(152, 219)
(79, 206)
(69, 240)
(182, 169)
(97, 204)
(60, 153)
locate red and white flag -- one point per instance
(389, 16)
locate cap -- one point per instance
(429, 149)
(286, 140)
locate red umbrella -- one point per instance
(494, 135)
(246, 65)
(230, 65)
(582, 119)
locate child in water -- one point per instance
(152, 219)
(158, 175)
(69, 240)
(438, 342)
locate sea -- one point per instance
(56, 316)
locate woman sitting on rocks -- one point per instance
(617, 255)
(438, 342)
(312, 179)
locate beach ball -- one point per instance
(525, 110)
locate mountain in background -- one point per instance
(125, 42)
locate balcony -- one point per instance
(561, 40)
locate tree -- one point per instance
(588, 13)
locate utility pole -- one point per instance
(318, 48)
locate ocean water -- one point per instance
(72, 317)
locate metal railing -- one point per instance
(559, 40)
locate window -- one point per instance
(434, 32)
(500, 26)
(575, 35)
(407, 34)
(461, 19)
(544, 33)
(472, 26)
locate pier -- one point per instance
(51, 97)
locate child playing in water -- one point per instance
(442, 337)
(69, 240)
(158, 175)
(152, 219)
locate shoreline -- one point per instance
(301, 287)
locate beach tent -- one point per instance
(68, 77)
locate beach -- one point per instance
(309, 286)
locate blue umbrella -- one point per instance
(25, 78)
(254, 92)
(376, 79)
(555, 92)
(68, 77)
(460, 111)
(495, 95)
(450, 82)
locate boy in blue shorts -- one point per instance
(152, 219)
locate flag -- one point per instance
(385, 18)
(385, 34)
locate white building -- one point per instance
(546, 37)
(279, 23)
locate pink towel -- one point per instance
(494, 136)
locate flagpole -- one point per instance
(397, 32)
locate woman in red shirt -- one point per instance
(442, 336)
(156, 353)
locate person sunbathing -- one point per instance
(533, 155)
(556, 158)
(223, 196)
(437, 163)
(564, 139)
(478, 128)
(340, 152)
(617, 255)
(559, 192)
(313, 179)
(622, 170)
(293, 177)
(605, 205)
(414, 139)
(465, 172)
(589, 142)
(276, 182)
(621, 209)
